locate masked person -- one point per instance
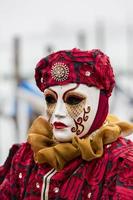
(77, 151)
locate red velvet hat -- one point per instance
(92, 68)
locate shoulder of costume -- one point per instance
(5, 168)
(23, 152)
(17, 152)
(121, 150)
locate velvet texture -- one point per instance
(46, 150)
(92, 68)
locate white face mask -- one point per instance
(71, 109)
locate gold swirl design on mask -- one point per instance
(79, 127)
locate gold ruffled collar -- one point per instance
(47, 150)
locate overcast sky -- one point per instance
(57, 22)
(33, 16)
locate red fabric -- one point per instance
(101, 114)
(92, 68)
(109, 177)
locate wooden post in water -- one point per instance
(81, 40)
(129, 40)
(100, 35)
(17, 78)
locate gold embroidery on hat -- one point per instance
(60, 71)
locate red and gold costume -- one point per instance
(96, 166)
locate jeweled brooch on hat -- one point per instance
(60, 71)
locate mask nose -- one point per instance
(60, 109)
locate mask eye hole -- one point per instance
(50, 99)
(73, 100)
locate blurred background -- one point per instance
(30, 29)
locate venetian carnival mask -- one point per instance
(71, 109)
(77, 85)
